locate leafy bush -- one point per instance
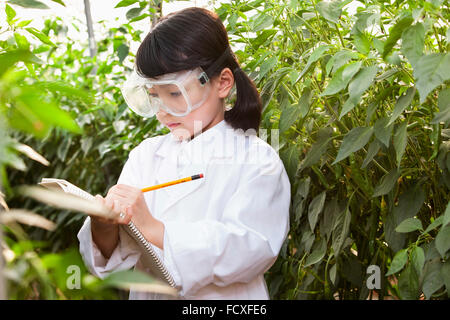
(361, 102)
(357, 92)
(58, 102)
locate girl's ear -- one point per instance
(224, 82)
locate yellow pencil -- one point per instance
(170, 183)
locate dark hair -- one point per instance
(196, 37)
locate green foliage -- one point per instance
(66, 106)
(366, 152)
(362, 104)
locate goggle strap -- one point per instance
(219, 61)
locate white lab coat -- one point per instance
(222, 232)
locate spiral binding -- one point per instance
(148, 247)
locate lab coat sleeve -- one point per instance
(126, 254)
(244, 243)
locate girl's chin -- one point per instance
(181, 133)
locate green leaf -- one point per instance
(413, 40)
(398, 262)
(408, 284)
(333, 274)
(387, 183)
(262, 22)
(436, 223)
(10, 14)
(356, 139)
(383, 131)
(431, 71)
(133, 13)
(289, 115)
(374, 147)
(409, 205)
(305, 102)
(361, 42)
(359, 84)
(34, 4)
(443, 240)
(315, 55)
(266, 66)
(331, 212)
(40, 36)
(341, 78)
(444, 107)
(60, 2)
(330, 10)
(86, 144)
(24, 23)
(395, 34)
(63, 148)
(66, 89)
(339, 59)
(402, 103)
(136, 280)
(10, 58)
(21, 41)
(139, 18)
(409, 225)
(432, 280)
(446, 218)
(125, 3)
(290, 157)
(400, 140)
(318, 252)
(365, 19)
(122, 52)
(317, 150)
(418, 259)
(341, 230)
(445, 274)
(315, 208)
(300, 197)
(34, 114)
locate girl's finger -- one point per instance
(118, 194)
(116, 207)
(125, 216)
(109, 203)
(99, 198)
(126, 219)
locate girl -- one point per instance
(217, 235)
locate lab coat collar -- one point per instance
(194, 156)
(216, 142)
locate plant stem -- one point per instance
(441, 49)
(339, 34)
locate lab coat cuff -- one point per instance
(120, 259)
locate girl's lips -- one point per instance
(173, 124)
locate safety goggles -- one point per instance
(176, 93)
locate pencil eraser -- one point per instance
(201, 175)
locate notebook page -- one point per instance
(67, 187)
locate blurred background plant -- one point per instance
(357, 89)
(62, 109)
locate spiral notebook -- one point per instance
(150, 258)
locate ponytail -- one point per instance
(246, 112)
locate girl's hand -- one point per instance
(130, 202)
(114, 206)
